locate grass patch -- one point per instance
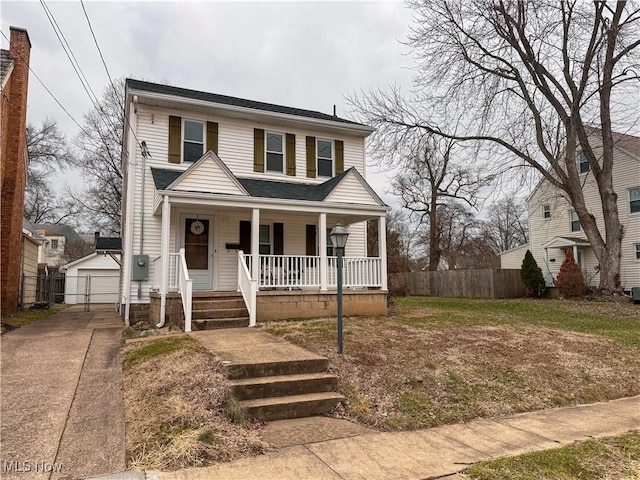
(178, 408)
(613, 457)
(20, 319)
(438, 361)
(155, 348)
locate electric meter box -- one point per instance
(140, 268)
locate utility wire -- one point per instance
(108, 121)
(115, 90)
(48, 91)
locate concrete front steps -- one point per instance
(271, 378)
(212, 310)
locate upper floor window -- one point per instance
(193, 141)
(575, 222)
(637, 251)
(583, 163)
(325, 158)
(634, 200)
(54, 244)
(546, 211)
(275, 152)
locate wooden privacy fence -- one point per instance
(484, 283)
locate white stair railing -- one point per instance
(185, 286)
(247, 286)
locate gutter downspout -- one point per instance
(145, 153)
(164, 253)
(128, 248)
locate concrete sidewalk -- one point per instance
(432, 453)
(61, 399)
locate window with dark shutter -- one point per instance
(339, 156)
(258, 150)
(311, 157)
(212, 137)
(175, 139)
(311, 240)
(278, 238)
(291, 154)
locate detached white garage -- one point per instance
(94, 279)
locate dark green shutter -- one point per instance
(245, 236)
(212, 137)
(339, 157)
(175, 139)
(258, 150)
(311, 240)
(291, 154)
(278, 238)
(311, 157)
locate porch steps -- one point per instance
(213, 310)
(284, 389)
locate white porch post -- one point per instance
(164, 252)
(547, 279)
(322, 233)
(255, 244)
(382, 249)
(575, 255)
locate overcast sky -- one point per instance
(302, 54)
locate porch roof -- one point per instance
(559, 242)
(163, 178)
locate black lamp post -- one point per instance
(338, 238)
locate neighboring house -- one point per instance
(14, 77)
(60, 243)
(95, 278)
(31, 244)
(554, 225)
(249, 192)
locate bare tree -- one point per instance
(507, 226)
(100, 145)
(401, 238)
(527, 81)
(49, 154)
(428, 183)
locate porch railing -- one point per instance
(247, 286)
(185, 286)
(357, 272)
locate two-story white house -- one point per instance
(229, 198)
(554, 225)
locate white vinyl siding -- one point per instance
(513, 258)
(209, 177)
(626, 175)
(350, 190)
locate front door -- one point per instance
(197, 240)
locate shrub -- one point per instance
(570, 281)
(532, 276)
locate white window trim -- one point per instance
(333, 157)
(629, 200)
(636, 251)
(266, 151)
(204, 137)
(571, 222)
(270, 238)
(543, 211)
(580, 162)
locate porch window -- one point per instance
(634, 200)
(583, 163)
(546, 211)
(265, 240)
(637, 245)
(275, 152)
(193, 141)
(325, 158)
(331, 252)
(575, 222)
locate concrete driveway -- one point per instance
(62, 412)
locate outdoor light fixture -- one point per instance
(338, 238)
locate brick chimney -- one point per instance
(14, 166)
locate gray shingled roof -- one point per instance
(27, 225)
(234, 101)
(5, 63)
(109, 243)
(262, 188)
(54, 229)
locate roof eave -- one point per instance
(351, 129)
